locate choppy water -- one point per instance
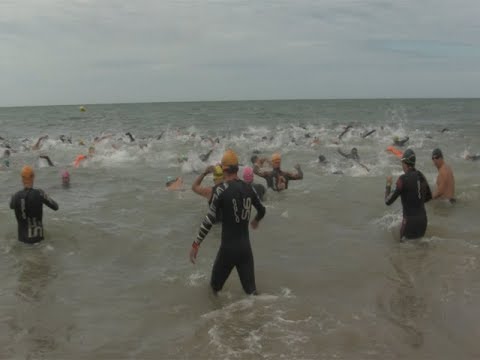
(113, 279)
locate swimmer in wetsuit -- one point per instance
(235, 198)
(277, 179)
(28, 205)
(414, 191)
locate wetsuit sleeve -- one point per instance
(258, 206)
(12, 202)
(425, 188)
(391, 196)
(48, 201)
(211, 215)
(342, 153)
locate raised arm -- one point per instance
(197, 188)
(296, 176)
(48, 201)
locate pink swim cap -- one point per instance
(248, 174)
(65, 174)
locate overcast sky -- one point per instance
(104, 51)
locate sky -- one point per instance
(116, 51)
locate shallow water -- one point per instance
(113, 279)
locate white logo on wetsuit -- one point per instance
(246, 209)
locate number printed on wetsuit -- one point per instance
(246, 208)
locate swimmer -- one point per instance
(235, 198)
(65, 179)
(445, 179)
(412, 187)
(277, 179)
(174, 184)
(28, 205)
(248, 177)
(400, 142)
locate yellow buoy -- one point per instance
(82, 108)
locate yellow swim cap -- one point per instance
(218, 173)
(229, 159)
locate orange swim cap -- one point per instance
(229, 159)
(276, 158)
(27, 172)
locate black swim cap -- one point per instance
(409, 157)
(321, 158)
(437, 153)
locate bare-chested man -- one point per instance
(445, 180)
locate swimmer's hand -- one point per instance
(389, 180)
(254, 224)
(194, 252)
(210, 169)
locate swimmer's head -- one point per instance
(322, 158)
(217, 174)
(65, 177)
(248, 174)
(27, 175)
(437, 154)
(409, 158)
(354, 151)
(6, 153)
(230, 162)
(276, 160)
(91, 150)
(170, 180)
(254, 159)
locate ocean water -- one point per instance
(113, 280)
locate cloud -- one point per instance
(176, 43)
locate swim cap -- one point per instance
(27, 172)
(276, 158)
(248, 174)
(65, 174)
(229, 159)
(437, 153)
(169, 180)
(217, 173)
(409, 157)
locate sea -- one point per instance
(113, 280)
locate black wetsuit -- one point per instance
(260, 190)
(235, 199)
(28, 206)
(219, 215)
(415, 192)
(273, 178)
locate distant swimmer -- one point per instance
(248, 177)
(346, 128)
(174, 184)
(28, 205)
(397, 152)
(65, 179)
(414, 191)
(205, 157)
(6, 159)
(353, 155)
(207, 191)
(472, 157)
(322, 160)
(443, 130)
(400, 142)
(129, 134)
(277, 179)
(38, 144)
(445, 179)
(235, 199)
(80, 158)
(65, 139)
(367, 133)
(47, 158)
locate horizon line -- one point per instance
(245, 100)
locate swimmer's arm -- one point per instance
(206, 192)
(298, 175)
(261, 173)
(210, 218)
(391, 196)
(39, 141)
(48, 201)
(12, 202)
(46, 157)
(258, 206)
(342, 153)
